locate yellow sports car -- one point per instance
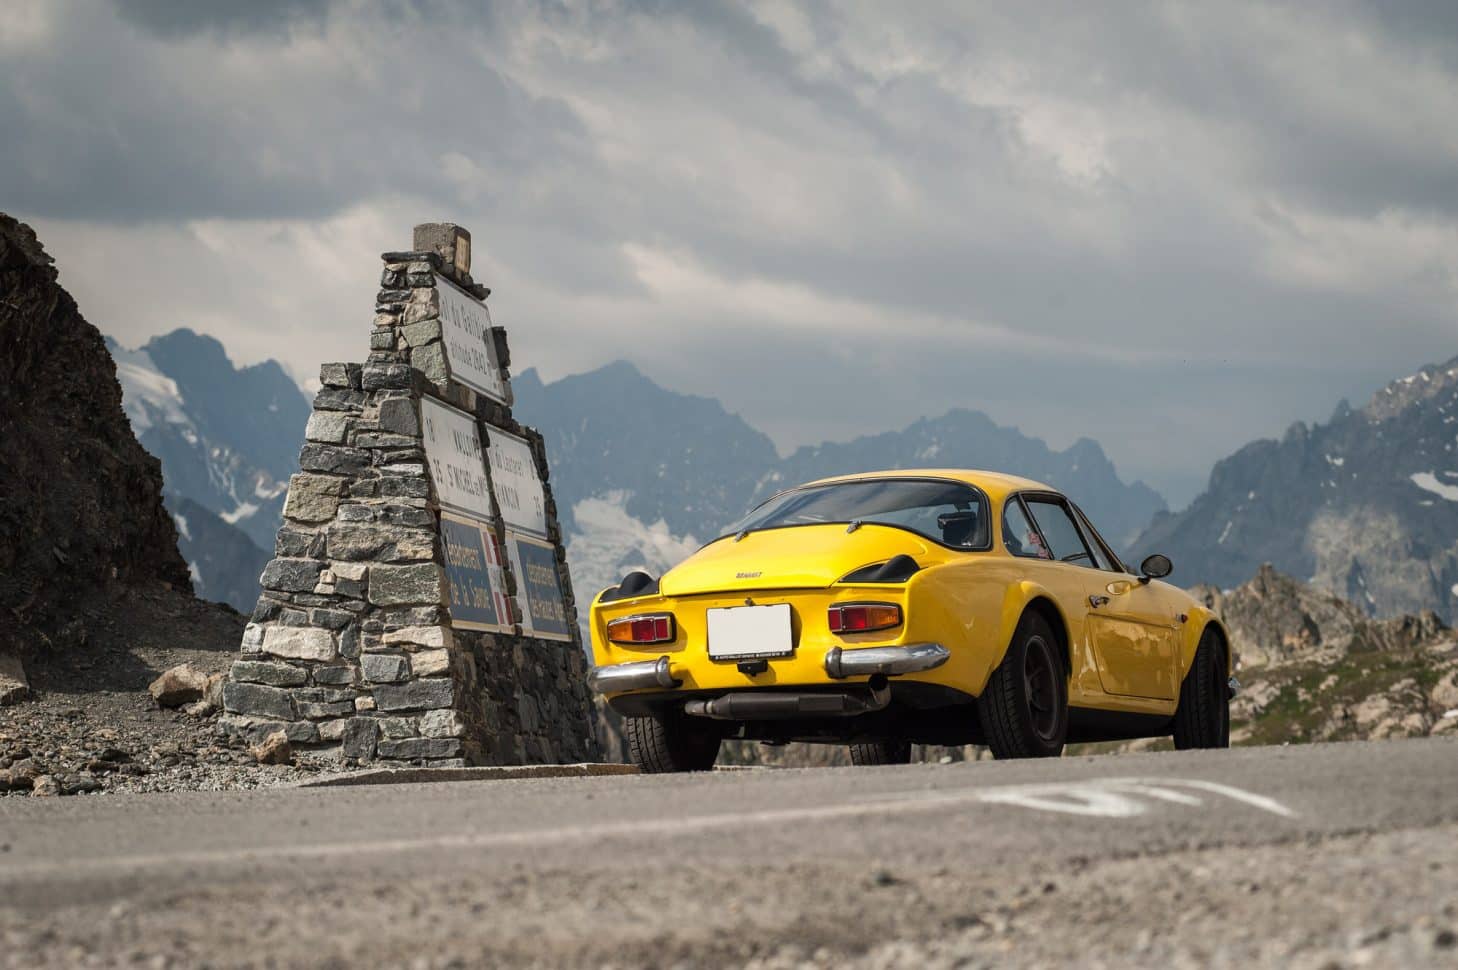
(893, 608)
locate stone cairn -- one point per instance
(419, 607)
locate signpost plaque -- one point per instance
(473, 570)
(539, 587)
(470, 350)
(453, 449)
(516, 483)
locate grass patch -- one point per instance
(1310, 698)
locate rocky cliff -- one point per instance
(1364, 506)
(80, 500)
(1274, 619)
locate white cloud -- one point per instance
(1168, 227)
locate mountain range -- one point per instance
(643, 475)
(228, 438)
(1364, 506)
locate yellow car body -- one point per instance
(1127, 641)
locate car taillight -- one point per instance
(863, 617)
(647, 628)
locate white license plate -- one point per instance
(750, 631)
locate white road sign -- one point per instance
(470, 351)
(453, 451)
(518, 487)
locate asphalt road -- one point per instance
(1322, 855)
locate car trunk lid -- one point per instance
(795, 557)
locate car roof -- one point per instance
(996, 484)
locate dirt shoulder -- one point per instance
(90, 724)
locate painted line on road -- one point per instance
(1103, 795)
(418, 776)
(1118, 797)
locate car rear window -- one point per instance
(951, 513)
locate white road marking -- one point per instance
(1107, 798)
(1119, 797)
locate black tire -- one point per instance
(1202, 719)
(881, 753)
(660, 744)
(1024, 708)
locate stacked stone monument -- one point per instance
(419, 607)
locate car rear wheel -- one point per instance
(1024, 708)
(881, 753)
(1202, 719)
(661, 744)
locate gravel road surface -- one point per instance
(1309, 856)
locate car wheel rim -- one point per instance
(1040, 688)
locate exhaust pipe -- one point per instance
(773, 706)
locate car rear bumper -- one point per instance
(840, 663)
(638, 675)
(863, 661)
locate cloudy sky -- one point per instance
(1169, 227)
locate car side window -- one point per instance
(1100, 560)
(1103, 556)
(1056, 523)
(1019, 534)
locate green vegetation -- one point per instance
(1314, 700)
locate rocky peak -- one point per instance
(1432, 382)
(1364, 506)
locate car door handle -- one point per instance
(1096, 601)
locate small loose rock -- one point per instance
(273, 750)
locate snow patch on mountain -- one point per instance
(608, 542)
(1428, 482)
(148, 395)
(242, 511)
(226, 435)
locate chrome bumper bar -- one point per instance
(859, 662)
(839, 664)
(632, 676)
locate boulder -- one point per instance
(273, 750)
(183, 684)
(1445, 693)
(13, 685)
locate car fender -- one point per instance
(974, 608)
(1211, 621)
(1200, 619)
(1015, 603)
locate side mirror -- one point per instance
(1155, 567)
